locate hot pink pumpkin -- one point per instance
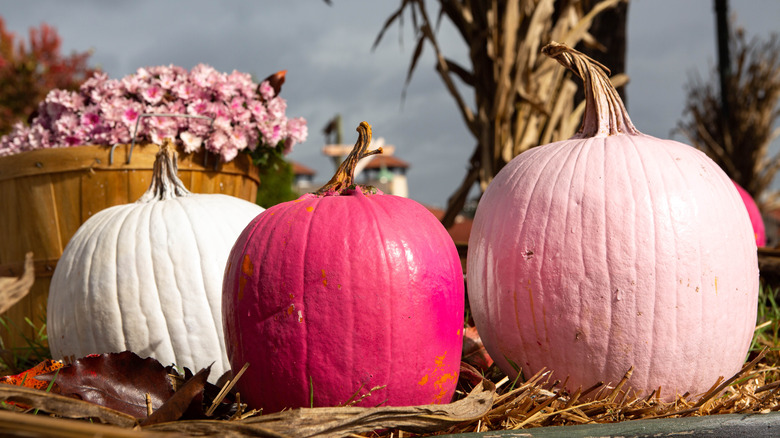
(755, 215)
(344, 296)
(610, 250)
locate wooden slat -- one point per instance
(66, 187)
(37, 230)
(97, 157)
(9, 223)
(102, 189)
(138, 182)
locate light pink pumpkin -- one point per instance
(344, 296)
(613, 250)
(755, 215)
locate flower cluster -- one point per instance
(242, 114)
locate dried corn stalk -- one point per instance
(740, 142)
(521, 99)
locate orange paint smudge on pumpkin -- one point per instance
(424, 380)
(440, 360)
(247, 268)
(324, 279)
(310, 209)
(290, 309)
(444, 378)
(438, 397)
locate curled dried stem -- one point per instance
(605, 113)
(345, 174)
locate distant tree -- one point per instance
(732, 117)
(28, 73)
(521, 99)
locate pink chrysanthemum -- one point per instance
(107, 111)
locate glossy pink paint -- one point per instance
(613, 250)
(348, 296)
(755, 215)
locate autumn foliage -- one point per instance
(29, 70)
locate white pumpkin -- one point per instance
(147, 276)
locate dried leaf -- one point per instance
(342, 421)
(397, 15)
(276, 81)
(187, 399)
(14, 289)
(118, 381)
(27, 378)
(470, 375)
(63, 406)
(415, 57)
(474, 352)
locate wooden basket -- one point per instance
(46, 194)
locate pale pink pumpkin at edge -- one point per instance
(340, 294)
(613, 250)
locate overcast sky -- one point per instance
(332, 69)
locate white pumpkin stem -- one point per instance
(165, 176)
(605, 113)
(345, 174)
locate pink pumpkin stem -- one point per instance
(610, 116)
(345, 175)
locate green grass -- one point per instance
(34, 350)
(767, 332)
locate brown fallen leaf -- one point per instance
(470, 375)
(474, 352)
(14, 289)
(63, 406)
(342, 421)
(187, 399)
(119, 381)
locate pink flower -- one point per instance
(204, 75)
(198, 107)
(257, 108)
(276, 107)
(106, 111)
(153, 94)
(222, 123)
(72, 140)
(297, 129)
(190, 141)
(216, 141)
(184, 91)
(266, 90)
(238, 139)
(130, 116)
(90, 120)
(228, 152)
(167, 80)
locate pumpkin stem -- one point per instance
(165, 178)
(605, 113)
(345, 174)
